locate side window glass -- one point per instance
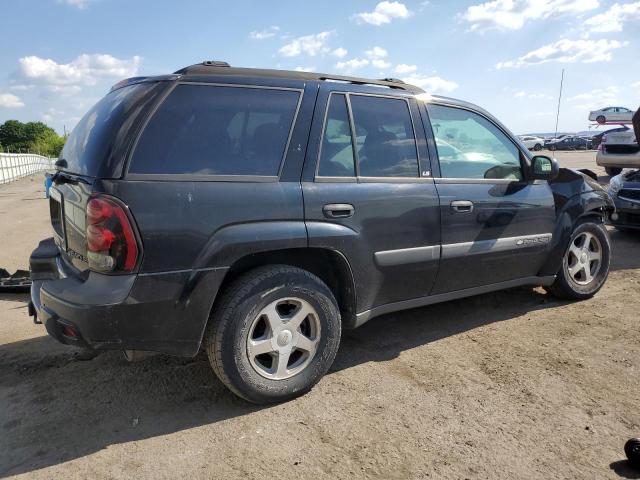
(336, 151)
(469, 146)
(217, 130)
(385, 140)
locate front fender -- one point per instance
(589, 203)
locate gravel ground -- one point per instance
(507, 385)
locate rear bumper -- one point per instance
(165, 312)
(619, 160)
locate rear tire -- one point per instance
(273, 334)
(600, 119)
(585, 264)
(537, 147)
(632, 450)
(612, 171)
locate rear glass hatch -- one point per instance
(96, 150)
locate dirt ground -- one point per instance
(510, 385)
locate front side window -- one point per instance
(336, 152)
(217, 130)
(385, 140)
(470, 146)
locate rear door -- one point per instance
(496, 224)
(368, 192)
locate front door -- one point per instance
(496, 223)
(366, 196)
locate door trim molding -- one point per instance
(452, 250)
(403, 256)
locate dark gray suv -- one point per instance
(258, 213)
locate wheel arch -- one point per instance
(577, 208)
(331, 266)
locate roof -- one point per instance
(222, 68)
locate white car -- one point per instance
(611, 114)
(618, 150)
(531, 142)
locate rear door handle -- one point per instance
(338, 210)
(462, 206)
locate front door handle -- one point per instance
(462, 206)
(338, 210)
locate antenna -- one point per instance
(559, 98)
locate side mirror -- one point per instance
(544, 168)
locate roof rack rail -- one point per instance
(385, 82)
(392, 80)
(198, 66)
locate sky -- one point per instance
(59, 57)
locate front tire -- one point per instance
(585, 264)
(273, 334)
(632, 450)
(612, 171)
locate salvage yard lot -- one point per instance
(507, 385)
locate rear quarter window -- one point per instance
(217, 130)
(94, 146)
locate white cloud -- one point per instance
(340, 52)
(379, 63)
(514, 14)
(597, 97)
(403, 68)
(76, 3)
(9, 100)
(305, 69)
(311, 45)
(353, 64)
(84, 70)
(264, 34)
(20, 88)
(567, 51)
(613, 19)
(433, 84)
(383, 13)
(376, 52)
(532, 96)
(636, 85)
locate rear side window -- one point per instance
(385, 140)
(336, 154)
(217, 130)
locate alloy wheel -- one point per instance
(283, 338)
(584, 258)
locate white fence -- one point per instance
(17, 165)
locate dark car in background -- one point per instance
(256, 214)
(625, 191)
(569, 142)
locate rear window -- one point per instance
(217, 130)
(89, 148)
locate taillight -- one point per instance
(111, 241)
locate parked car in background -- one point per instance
(625, 191)
(618, 150)
(611, 114)
(256, 214)
(532, 143)
(569, 142)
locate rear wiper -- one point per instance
(62, 177)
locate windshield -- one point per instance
(94, 138)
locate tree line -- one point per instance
(30, 137)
